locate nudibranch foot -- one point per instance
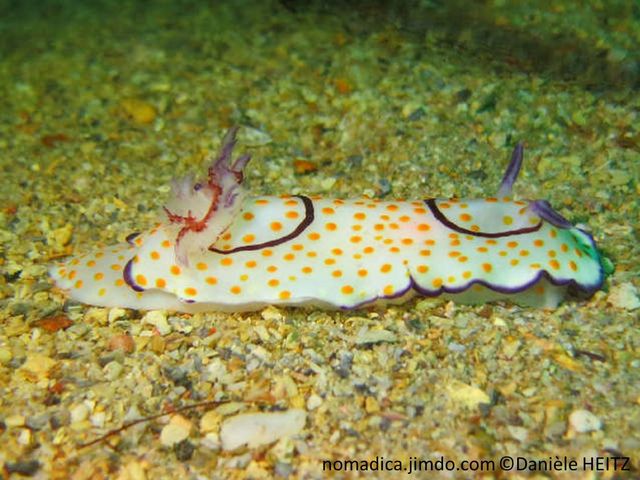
(220, 249)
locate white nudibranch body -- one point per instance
(221, 249)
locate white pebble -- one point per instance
(79, 413)
(313, 402)
(255, 429)
(624, 295)
(584, 421)
(158, 319)
(173, 433)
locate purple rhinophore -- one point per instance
(512, 172)
(544, 210)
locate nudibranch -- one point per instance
(221, 249)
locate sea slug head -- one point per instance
(202, 210)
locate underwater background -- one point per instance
(103, 103)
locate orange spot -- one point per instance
(261, 201)
(285, 294)
(244, 278)
(451, 279)
(465, 217)
(454, 254)
(119, 282)
(336, 251)
(78, 284)
(355, 239)
(454, 243)
(482, 249)
(337, 273)
(330, 261)
(462, 259)
(384, 217)
(356, 228)
(512, 244)
(385, 268)
(250, 264)
(154, 255)
(554, 264)
(404, 218)
(475, 228)
(564, 247)
(141, 279)
(578, 253)
(444, 205)
(553, 233)
(347, 289)
(551, 253)
(394, 226)
(394, 250)
(524, 253)
(378, 226)
(573, 266)
(392, 207)
(115, 267)
(368, 249)
(102, 292)
(226, 261)
(423, 268)
(313, 236)
(466, 274)
(507, 220)
(91, 263)
(312, 254)
(297, 247)
(437, 282)
(388, 290)
(514, 262)
(248, 238)
(291, 214)
(359, 216)
(290, 203)
(538, 242)
(98, 276)
(276, 226)
(274, 282)
(99, 254)
(330, 226)
(166, 243)
(407, 241)
(235, 290)
(190, 291)
(201, 266)
(289, 257)
(211, 280)
(267, 253)
(487, 267)
(425, 253)
(248, 216)
(272, 268)
(307, 270)
(419, 211)
(161, 283)
(362, 272)
(423, 227)
(535, 265)
(328, 211)
(502, 253)
(175, 270)
(491, 241)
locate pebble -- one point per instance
(467, 395)
(583, 421)
(368, 337)
(122, 342)
(313, 402)
(271, 314)
(158, 319)
(5, 356)
(79, 413)
(139, 111)
(256, 429)
(625, 296)
(173, 433)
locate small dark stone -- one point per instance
(179, 376)
(184, 450)
(417, 114)
(384, 188)
(28, 468)
(463, 95)
(354, 160)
